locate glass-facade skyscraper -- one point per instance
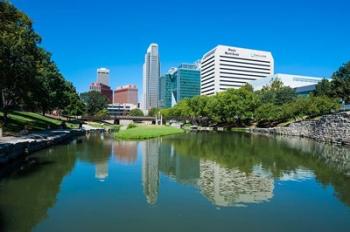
(151, 73)
(179, 83)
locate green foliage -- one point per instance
(153, 112)
(94, 102)
(131, 125)
(136, 113)
(29, 78)
(268, 114)
(102, 113)
(324, 88)
(147, 132)
(341, 82)
(270, 106)
(338, 86)
(276, 93)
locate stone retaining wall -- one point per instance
(333, 128)
(12, 148)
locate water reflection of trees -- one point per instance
(27, 196)
(280, 157)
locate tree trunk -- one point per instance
(5, 117)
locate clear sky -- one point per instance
(306, 37)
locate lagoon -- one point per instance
(187, 182)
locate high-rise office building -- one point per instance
(126, 94)
(179, 83)
(103, 76)
(151, 73)
(227, 67)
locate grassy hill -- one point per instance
(17, 120)
(147, 132)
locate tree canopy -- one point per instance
(29, 78)
(94, 102)
(135, 112)
(270, 106)
(338, 86)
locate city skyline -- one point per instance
(309, 43)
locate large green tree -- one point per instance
(19, 54)
(341, 82)
(135, 112)
(29, 78)
(94, 102)
(277, 93)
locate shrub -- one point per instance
(131, 125)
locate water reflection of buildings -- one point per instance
(101, 170)
(125, 151)
(222, 186)
(150, 173)
(184, 169)
(228, 187)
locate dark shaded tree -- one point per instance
(94, 102)
(135, 112)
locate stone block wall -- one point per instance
(333, 128)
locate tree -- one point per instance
(94, 102)
(136, 113)
(153, 112)
(324, 88)
(268, 114)
(276, 93)
(18, 56)
(341, 82)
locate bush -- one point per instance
(269, 114)
(102, 114)
(136, 112)
(131, 125)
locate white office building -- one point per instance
(151, 74)
(103, 76)
(301, 84)
(227, 67)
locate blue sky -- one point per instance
(305, 37)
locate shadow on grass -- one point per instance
(34, 123)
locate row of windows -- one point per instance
(206, 68)
(246, 71)
(207, 60)
(235, 81)
(204, 85)
(208, 64)
(208, 79)
(237, 78)
(208, 91)
(229, 85)
(245, 62)
(207, 76)
(239, 58)
(243, 66)
(206, 71)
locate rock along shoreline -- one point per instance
(13, 148)
(332, 128)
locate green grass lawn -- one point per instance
(17, 120)
(147, 132)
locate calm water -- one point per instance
(192, 182)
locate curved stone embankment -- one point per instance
(333, 128)
(12, 148)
